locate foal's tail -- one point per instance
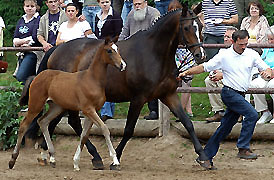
(25, 93)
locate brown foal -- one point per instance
(83, 90)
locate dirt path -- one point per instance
(167, 158)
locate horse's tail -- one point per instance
(25, 93)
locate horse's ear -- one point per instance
(198, 8)
(184, 9)
(107, 40)
(115, 39)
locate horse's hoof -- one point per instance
(205, 164)
(42, 162)
(115, 167)
(53, 164)
(11, 163)
(97, 164)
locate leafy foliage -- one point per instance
(269, 11)
(9, 119)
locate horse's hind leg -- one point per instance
(75, 122)
(96, 119)
(54, 111)
(22, 130)
(172, 101)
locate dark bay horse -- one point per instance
(86, 92)
(151, 69)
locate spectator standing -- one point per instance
(259, 82)
(127, 7)
(108, 23)
(2, 27)
(256, 23)
(73, 28)
(48, 30)
(90, 9)
(162, 5)
(217, 15)
(25, 35)
(236, 64)
(140, 18)
(215, 80)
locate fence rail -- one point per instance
(180, 46)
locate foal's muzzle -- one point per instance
(123, 65)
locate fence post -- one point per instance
(164, 119)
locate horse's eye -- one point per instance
(186, 28)
(109, 51)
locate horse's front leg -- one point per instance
(75, 122)
(174, 104)
(44, 121)
(96, 119)
(135, 108)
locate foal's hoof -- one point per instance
(115, 167)
(53, 164)
(42, 162)
(97, 164)
(11, 163)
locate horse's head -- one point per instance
(188, 35)
(112, 54)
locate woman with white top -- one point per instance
(73, 28)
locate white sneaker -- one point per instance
(272, 121)
(265, 118)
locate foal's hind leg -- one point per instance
(21, 132)
(54, 111)
(96, 119)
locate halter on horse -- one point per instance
(150, 70)
(86, 93)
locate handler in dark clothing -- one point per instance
(236, 64)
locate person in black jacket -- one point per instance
(108, 23)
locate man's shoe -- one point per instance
(265, 118)
(246, 154)
(216, 118)
(272, 121)
(152, 115)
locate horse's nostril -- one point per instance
(199, 55)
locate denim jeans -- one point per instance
(162, 6)
(236, 106)
(27, 66)
(108, 109)
(90, 13)
(127, 7)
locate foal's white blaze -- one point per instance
(76, 159)
(123, 65)
(114, 46)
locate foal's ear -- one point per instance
(184, 9)
(115, 39)
(107, 40)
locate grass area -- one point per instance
(200, 102)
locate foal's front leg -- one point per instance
(116, 164)
(84, 137)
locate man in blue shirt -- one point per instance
(259, 82)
